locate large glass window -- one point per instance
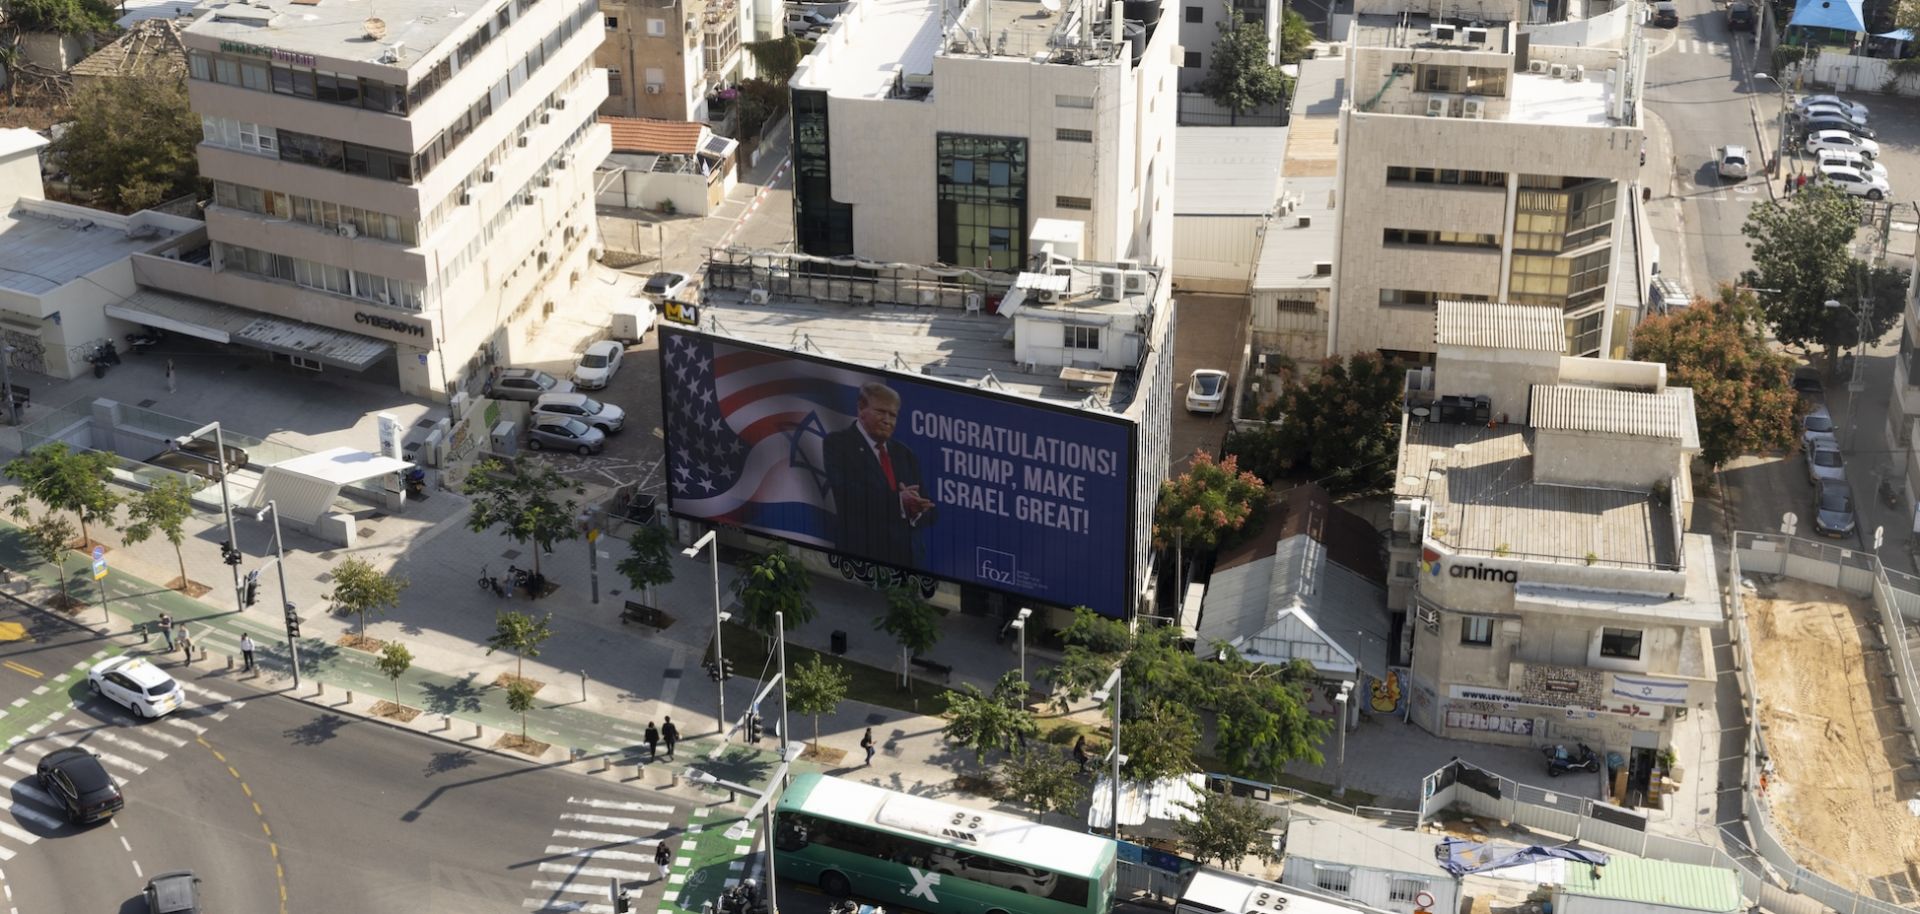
(822, 225)
(981, 198)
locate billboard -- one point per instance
(975, 487)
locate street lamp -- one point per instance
(1785, 106)
(1856, 382)
(226, 502)
(286, 605)
(1112, 687)
(1340, 743)
(1019, 625)
(719, 660)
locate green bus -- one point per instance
(916, 853)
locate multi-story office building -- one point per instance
(935, 132)
(1476, 165)
(422, 180)
(665, 59)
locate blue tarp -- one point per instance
(1830, 14)
(1897, 35)
(1460, 856)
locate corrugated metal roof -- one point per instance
(228, 324)
(1227, 171)
(1569, 408)
(1497, 325)
(1164, 800)
(1377, 847)
(1677, 885)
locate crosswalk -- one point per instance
(1696, 46)
(595, 843)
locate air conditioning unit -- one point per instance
(758, 296)
(1427, 615)
(559, 104)
(1049, 296)
(1557, 71)
(1111, 282)
(527, 200)
(546, 118)
(1437, 105)
(546, 181)
(1536, 66)
(1136, 282)
(1441, 32)
(1474, 35)
(522, 142)
(1577, 74)
(1473, 106)
(487, 176)
(349, 230)
(654, 88)
(565, 162)
(466, 199)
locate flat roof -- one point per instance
(868, 42)
(1382, 30)
(16, 140)
(1658, 882)
(1289, 250)
(1499, 325)
(1377, 847)
(1043, 846)
(337, 28)
(44, 246)
(1537, 98)
(224, 323)
(1227, 171)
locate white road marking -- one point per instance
(21, 811)
(17, 833)
(616, 821)
(600, 836)
(598, 872)
(31, 791)
(118, 762)
(535, 904)
(15, 762)
(187, 725)
(623, 806)
(137, 872)
(125, 844)
(599, 854)
(570, 887)
(130, 745)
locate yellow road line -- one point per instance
(23, 668)
(273, 848)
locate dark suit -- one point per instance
(868, 522)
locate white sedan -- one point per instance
(135, 684)
(598, 364)
(1207, 391)
(1853, 110)
(1840, 139)
(1854, 182)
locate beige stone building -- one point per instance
(665, 58)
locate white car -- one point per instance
(606, 417)
(1854, 161)
(597, 365)
(1812, 112)
(1207, 391)
(1854, 182)
(1817, 426)
(135, 684)
(666, 285)
(1732, 163)
(1852, 110)
(1840, 139)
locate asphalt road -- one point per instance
(283, 806)
(38, 650)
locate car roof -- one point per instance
(569, 399)
(1831, 168)
(137, 669)
(174, 891)
(1834, 134)
(1200, 371)
(1740, 151)
(606, 345)
(83, 766)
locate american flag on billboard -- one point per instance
(744, 435)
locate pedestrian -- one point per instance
(671, 734)
(866, 742)
(1080, 753)
(246, 652)
(166, 629)
(653, 742)
(186, 642)
(170, 386)
(1801, 182)
(663, 858)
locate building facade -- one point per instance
(1200, 23)
(423, 181)
(668, 60)
(923, 136)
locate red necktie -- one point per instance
(886, 467)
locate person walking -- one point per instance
(866, 742)
(166, 629)
(663, 858)
(170, 384)
(186, 642)
(246, 652)
(1080, 753)
(653, 742)
(671, 734)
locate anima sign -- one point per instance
(1483, 573)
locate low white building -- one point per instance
(1224, 196)
(1385, 868)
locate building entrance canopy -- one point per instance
(208, 320)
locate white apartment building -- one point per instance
(1539, 541)
(1200, 22)
(1476, 165)
(934, 131)
(420, 181)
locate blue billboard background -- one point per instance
(1025, 498)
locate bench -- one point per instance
(641, 613)
(935, 666)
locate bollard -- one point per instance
(229, 663)
(476, 731)
(448, 722)
(319, 689)
(583, 686)
(605, 763)
(349, 697)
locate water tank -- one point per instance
(1136, 40)
(1145, 12)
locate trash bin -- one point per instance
(840, 643)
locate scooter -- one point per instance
(743, 898)
(1560, 761)
(491, 583)
(1889, 493)
(415, 481)
(849, 906)
(102, 357)
(146, 339)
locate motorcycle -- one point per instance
(143, 341)
(522, 579)
(849, 906)
(1560, 760)
(490, 583)
(415, 481)
(1889, 493)
(102, 357)
(743, 898)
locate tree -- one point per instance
(1242, 75)
(989, 721)
(520, 701)
(131, 143)
(162, 509)
(913, 622)
(775, 583)
(518, 497)
(1295, 36)
(522, 634)
(1338, 426)
(359, 588)
(1742, 389)
(47, 540)
(1800, 247)
(64, 479)
(1262, 714)
(1228, 829)
(816, 687)
(1883, 290)
(394, 661)
(1042, 779)
(777, 59)
(66, 17)
(649, 561)
(1205, 505)
(1159, 741)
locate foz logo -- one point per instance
(1484, 573)
(923, 883)
(993, 566)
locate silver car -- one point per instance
(1817, 426)
(1833, 509)
(1824, 462)
(565, 435)
(606, 417)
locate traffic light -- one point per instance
(252, 594)
(293, 623)
(622, 900)
(228, 554)
(753, 726)
(726, 670)
(713, 672)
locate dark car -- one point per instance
(177, 892)
(236, 457)
(1739, 17)
(85, 790)
(1833, 509)
(1666, 15)
(183, 462)
(1808, 385)
(1813, 125)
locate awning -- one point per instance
(1897, 35)
(304, 488)
(220, 323)
(1164, 800)
(1830, 14)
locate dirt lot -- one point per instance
(1832, 735)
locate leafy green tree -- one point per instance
(522, 634)
(520, 701)
(47, 540)
(519, 498)
(649, 561)
(1262, 714)
(816, 687)
(66, 17)
(777, 59)
(1242, 76)
(1095, 645)
(1159, 741)
(1800, 247)
(1042, 779)
(913, 622)
(1295, 36)
(1338, 426)
(1884, 292)
(1228, 829)
(64, 479)
(1205, 506)
(162, 509)
(1742, 389)
(393, 662)
(987, 722)
(359, 589)
(775, 583)
(131, 142)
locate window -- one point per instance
(1476, 630)
(1403, 569)
(1442, 239)
(1405, 889)
(1196, 14)
(613, 81)
(1071, 135)
(1416, 298)
(1073, 202)
(1191, 61)
(1336, 879)
(794, 832)
(1620, 643)
(613, 22)
(981, 200)
(1073, 101)
(1078, 337)
(1406, 174)
(657, 28)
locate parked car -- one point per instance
(183, 462)
(1852, 160)
(527, 384)
(1854, 182)
(1853, 109)
(1841, 112)
(631, 319)
(1731, 162)
(606, 417)
(1816, 425)
(565, 434)
(597, 365)
(1740, 17)
(666, 285)
(806, 23)
(1814, 125)
(85, 790)
(205, 447)
(1824, 462)
(177, 892)
(1666, 15)
(135, 684)
(1806, 382)
(1207, 391)
(1833, 509)
(1843, 140)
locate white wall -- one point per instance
(1608, 29)
(1198, 37)
(1215, 253)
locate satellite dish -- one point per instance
(376, 28)
(1051, 6)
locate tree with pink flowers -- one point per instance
(1208, 505)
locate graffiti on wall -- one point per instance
(1386, 696)
(1489, 723)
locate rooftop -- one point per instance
(1228, 171)
(646, 134)
(1417, 31)
(886, 48)
(1658, 882)
(17, 140)
(150, 48)
(1291, 251)
(44, 246)
(1498, 325)
(1537, 98)
(1377, 847)
(337, 29)
(871, 42)
(1573, 408)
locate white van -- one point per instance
(631, 318)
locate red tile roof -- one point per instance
(645, 134)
